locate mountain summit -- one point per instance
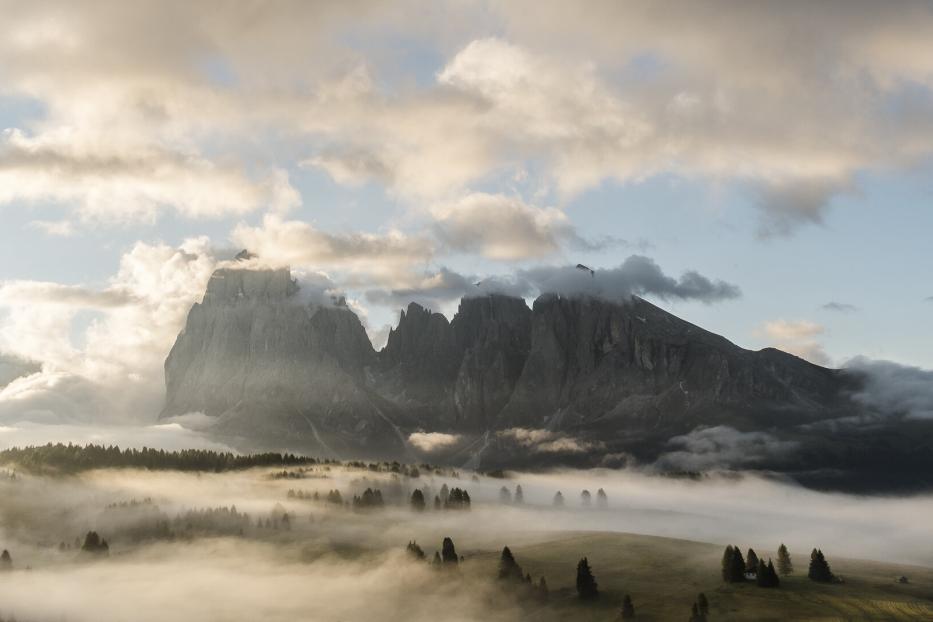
(622, 376)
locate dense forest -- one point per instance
(76, 458)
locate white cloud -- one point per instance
(798, 338)
(546, 441)
(433, 441)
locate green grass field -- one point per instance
(664, 575)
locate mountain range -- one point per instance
(571, 380)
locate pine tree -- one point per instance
(437, 502)
(559, 500)
(543, 591)
(504, 495)
(727, 564)
(586, 499)
(6, 560)
(819, 569)
(587, 588)
(448, 552)
(508, 567)
(773, 579)
(437, 559)
(417, 500)
(751, 561)
(628, 609)
(602, 501)
(519, 494)
(702, 604)
(414, 550)
(784, 564)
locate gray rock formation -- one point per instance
(276, 371)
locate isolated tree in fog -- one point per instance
(508, 567)
(587, 588)
(784, 565)
(448, 552)
(6, 560)
(586, 498)
(819, 568)
(445, 492)
(417, 500)
(559, 500)
(437, 502)
(751, 561)
(414, 550)
(602, 501)
(543, 591)
(702, 604)
(519, 494)
(504, 495)
(628, 609)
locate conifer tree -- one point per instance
(437, 502)
(448, 552)
(727, 564)
(6, 560)
(414, 550)
(587, 588)
(558, 500)
(586, 499)
(773, 579)
(602, 501)
(504, 495)
(508, 567)
(417, 500)
(819, 569)
(702, 604)
(519, 494)
(628, 609)
(543, 591)
(751, 561)
(784, 564)
(437, 558)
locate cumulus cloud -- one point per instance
(506, 228)
(723, 447)
(798, 338)
(542, 441)
(13, 293)
(433, 441)
(895, 389)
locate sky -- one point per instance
(761, 169)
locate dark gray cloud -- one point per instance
(638, 275)
(841, 307)
(13, 367)
(895, 389)
(723, 447)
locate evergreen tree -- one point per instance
(437, 558)
(785, 566)
(414, 550)
(819, 569)
(508, 567)
(773, 579)
(602, 501)
(504, 495)
(738, 565)
(519, 494)
(587, 588)
(702, 604)
(445, 492)
(437, 502)
(543, 591)
(586, 499)
(628, 609)
(558, 500)
(751, 561)
(94, 544)
(417, 500)
(448, 552)
(727, 564)
(6, 560)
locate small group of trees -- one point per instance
(510, 572)
(414, 550)
(738, 569)
(95, 545)
(819, 570)
(455, 499)
(505, 495)
(370, 499)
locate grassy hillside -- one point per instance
(663, 576)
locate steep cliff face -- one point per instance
(275, 370)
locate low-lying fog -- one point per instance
(357, 559)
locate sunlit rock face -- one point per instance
(276, 370)
(273, 368)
